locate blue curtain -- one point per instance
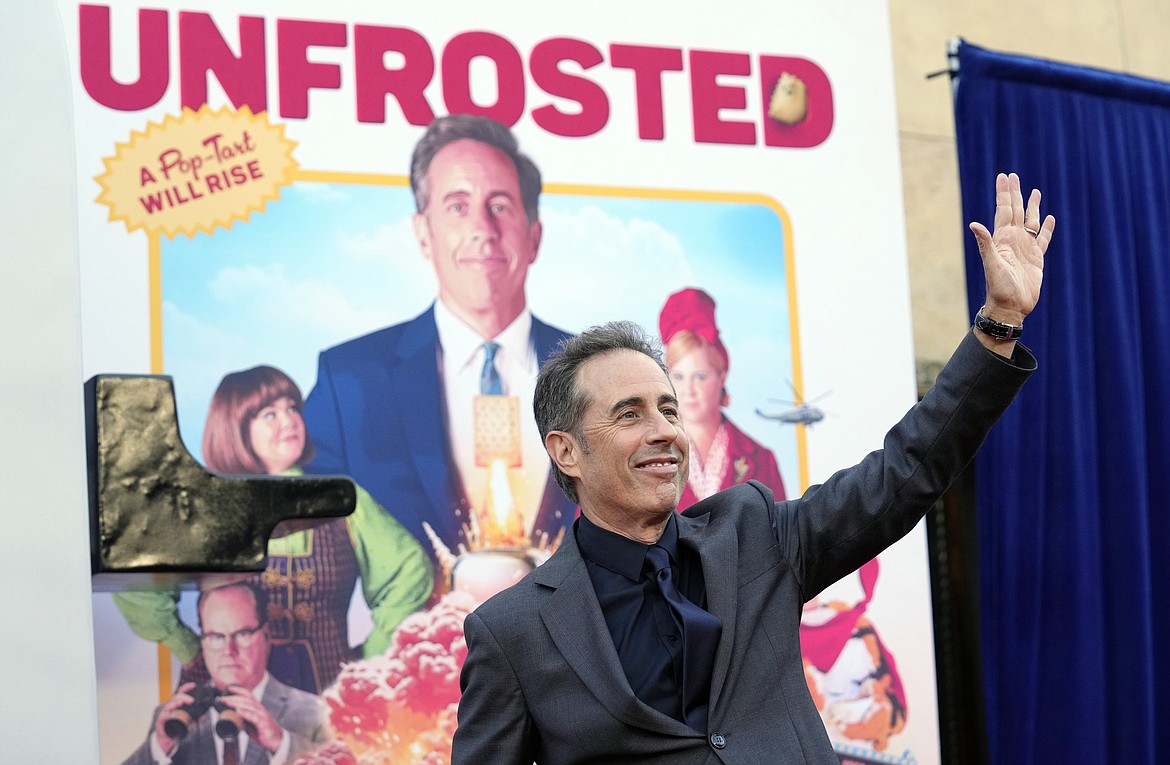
(1074, 484)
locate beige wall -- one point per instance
(1121, 35)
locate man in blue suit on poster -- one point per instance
(394, 408)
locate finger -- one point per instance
(982, 237)
(178, 700)
(1003, 202)
(1044, 238)
(1017, 199)
(1032, 212)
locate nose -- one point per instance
(660, 430)
(484, 223)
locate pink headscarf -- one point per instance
(691, 309)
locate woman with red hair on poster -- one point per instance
(721, 454)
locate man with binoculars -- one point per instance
(246, 716)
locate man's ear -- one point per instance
(564, 451)
(535, 232)
(422, 232)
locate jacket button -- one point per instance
(718, 741)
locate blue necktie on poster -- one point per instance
(701, 631)
(490, 383)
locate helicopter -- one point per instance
(802, 413)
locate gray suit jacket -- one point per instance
(543, 683)
(302, 714)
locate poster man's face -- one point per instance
(235, 645)
(475, 231)
(634, 464)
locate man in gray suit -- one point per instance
(658, 637)
(279, 723)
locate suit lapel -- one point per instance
(417, 393)
(573, 618)
(275, 700)
(720, 579)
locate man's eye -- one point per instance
(670, 412)
(628, 415)
(457, 207)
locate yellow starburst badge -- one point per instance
(197, 171)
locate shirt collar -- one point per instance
(619, 554)
(461, 343)
(261, 686)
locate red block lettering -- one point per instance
(457, 58)
(648, 63)
(153, 59)
(709, 97)
(202, 49)
(547, 75)
(406, 84)
(818, 123)
(298, 75)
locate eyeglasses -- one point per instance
(244, 638)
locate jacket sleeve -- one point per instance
(859, 511)
(494, 723)
(397, 575)
(323, 423)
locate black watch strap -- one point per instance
(997, 329)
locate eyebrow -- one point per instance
(489, 195)
(665, 398)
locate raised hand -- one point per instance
(1013, 255)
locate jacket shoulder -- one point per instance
(750, 494)
(380, 341)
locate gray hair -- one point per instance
(559, 403)
(456, 127)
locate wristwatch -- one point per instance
(997, 329)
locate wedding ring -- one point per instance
(1032, 231)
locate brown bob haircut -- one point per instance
(239, 398)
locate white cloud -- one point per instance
(319, 193)
(393, 244)
(311, 306)
(598, 266)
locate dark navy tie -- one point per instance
(700, 631)
(489, 379)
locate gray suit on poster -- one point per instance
(302, 714)
(543, 682)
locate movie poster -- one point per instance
(726, 179)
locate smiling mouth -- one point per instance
(484, 260)
(658, 463)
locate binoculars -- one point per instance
(180, 722)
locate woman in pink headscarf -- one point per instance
(721, 454)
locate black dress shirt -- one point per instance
(649, 644)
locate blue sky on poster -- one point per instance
(328, 262)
